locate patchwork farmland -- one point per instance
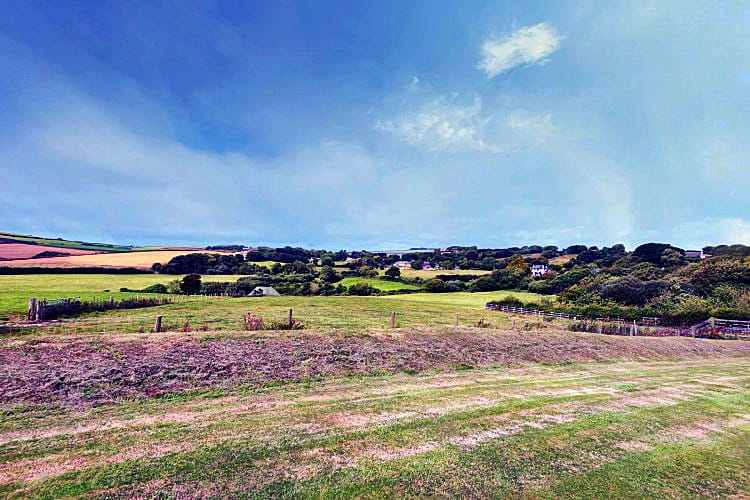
(397, 393)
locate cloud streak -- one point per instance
(441, 125)
(525, 46)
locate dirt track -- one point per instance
(78, 372)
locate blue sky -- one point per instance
(376, 124)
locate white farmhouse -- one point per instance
(539, 270)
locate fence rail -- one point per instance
(717, 328)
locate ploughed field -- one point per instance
(442, 411)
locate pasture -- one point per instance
(16, 289)
(348, 407)
(382, 285)
(60, 243)
(425, 275)
(138, 260)
(337, 312)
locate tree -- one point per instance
(329, 275)
(518, 263)
(652, 252)
(191, 284)
(174, 287)
(671, 257)
(327, 260)
(393, 273)
(417, 264)
(435, 285)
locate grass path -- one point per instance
(668, 428)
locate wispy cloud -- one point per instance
(442, 125)
(528, 45)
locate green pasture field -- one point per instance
(16, 289)
(65, 243)
(416, 309)
(620, 429)
(339, 312)
(425, 275)
(382, 285)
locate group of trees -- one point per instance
(656, 277)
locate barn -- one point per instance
(264, 291)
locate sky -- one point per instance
(376, 125)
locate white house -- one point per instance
(695, 254)
(539, 270)
(402, 264)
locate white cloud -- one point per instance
(441, 125)
(528, 45)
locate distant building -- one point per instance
(264, 291)
(402, 264)
(695, 254)
(539, 270)
(350, 260)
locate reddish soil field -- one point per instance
(11, 251)
(79, 372)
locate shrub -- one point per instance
(191, 284)
(435, 285)
(156, 288)
(361, 289)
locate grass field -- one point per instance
(64, 243)
(16, 289)
(140, 260)
(629, 426)
(350, 408)
(340, 312)
(382, 285)
(413, 273)
(417, 309)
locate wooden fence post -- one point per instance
(31, 314)
(393, 319)
(713, 326)
(157, 324)
(39, 313)
(513, 324)
(290, 321)
(456, 321)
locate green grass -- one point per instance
(16, 289)
(412, 273)
(65, 243)
(569, 431)
(416, 309)
(340, 312)
(382, 285)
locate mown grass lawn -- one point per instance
(583, 430)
